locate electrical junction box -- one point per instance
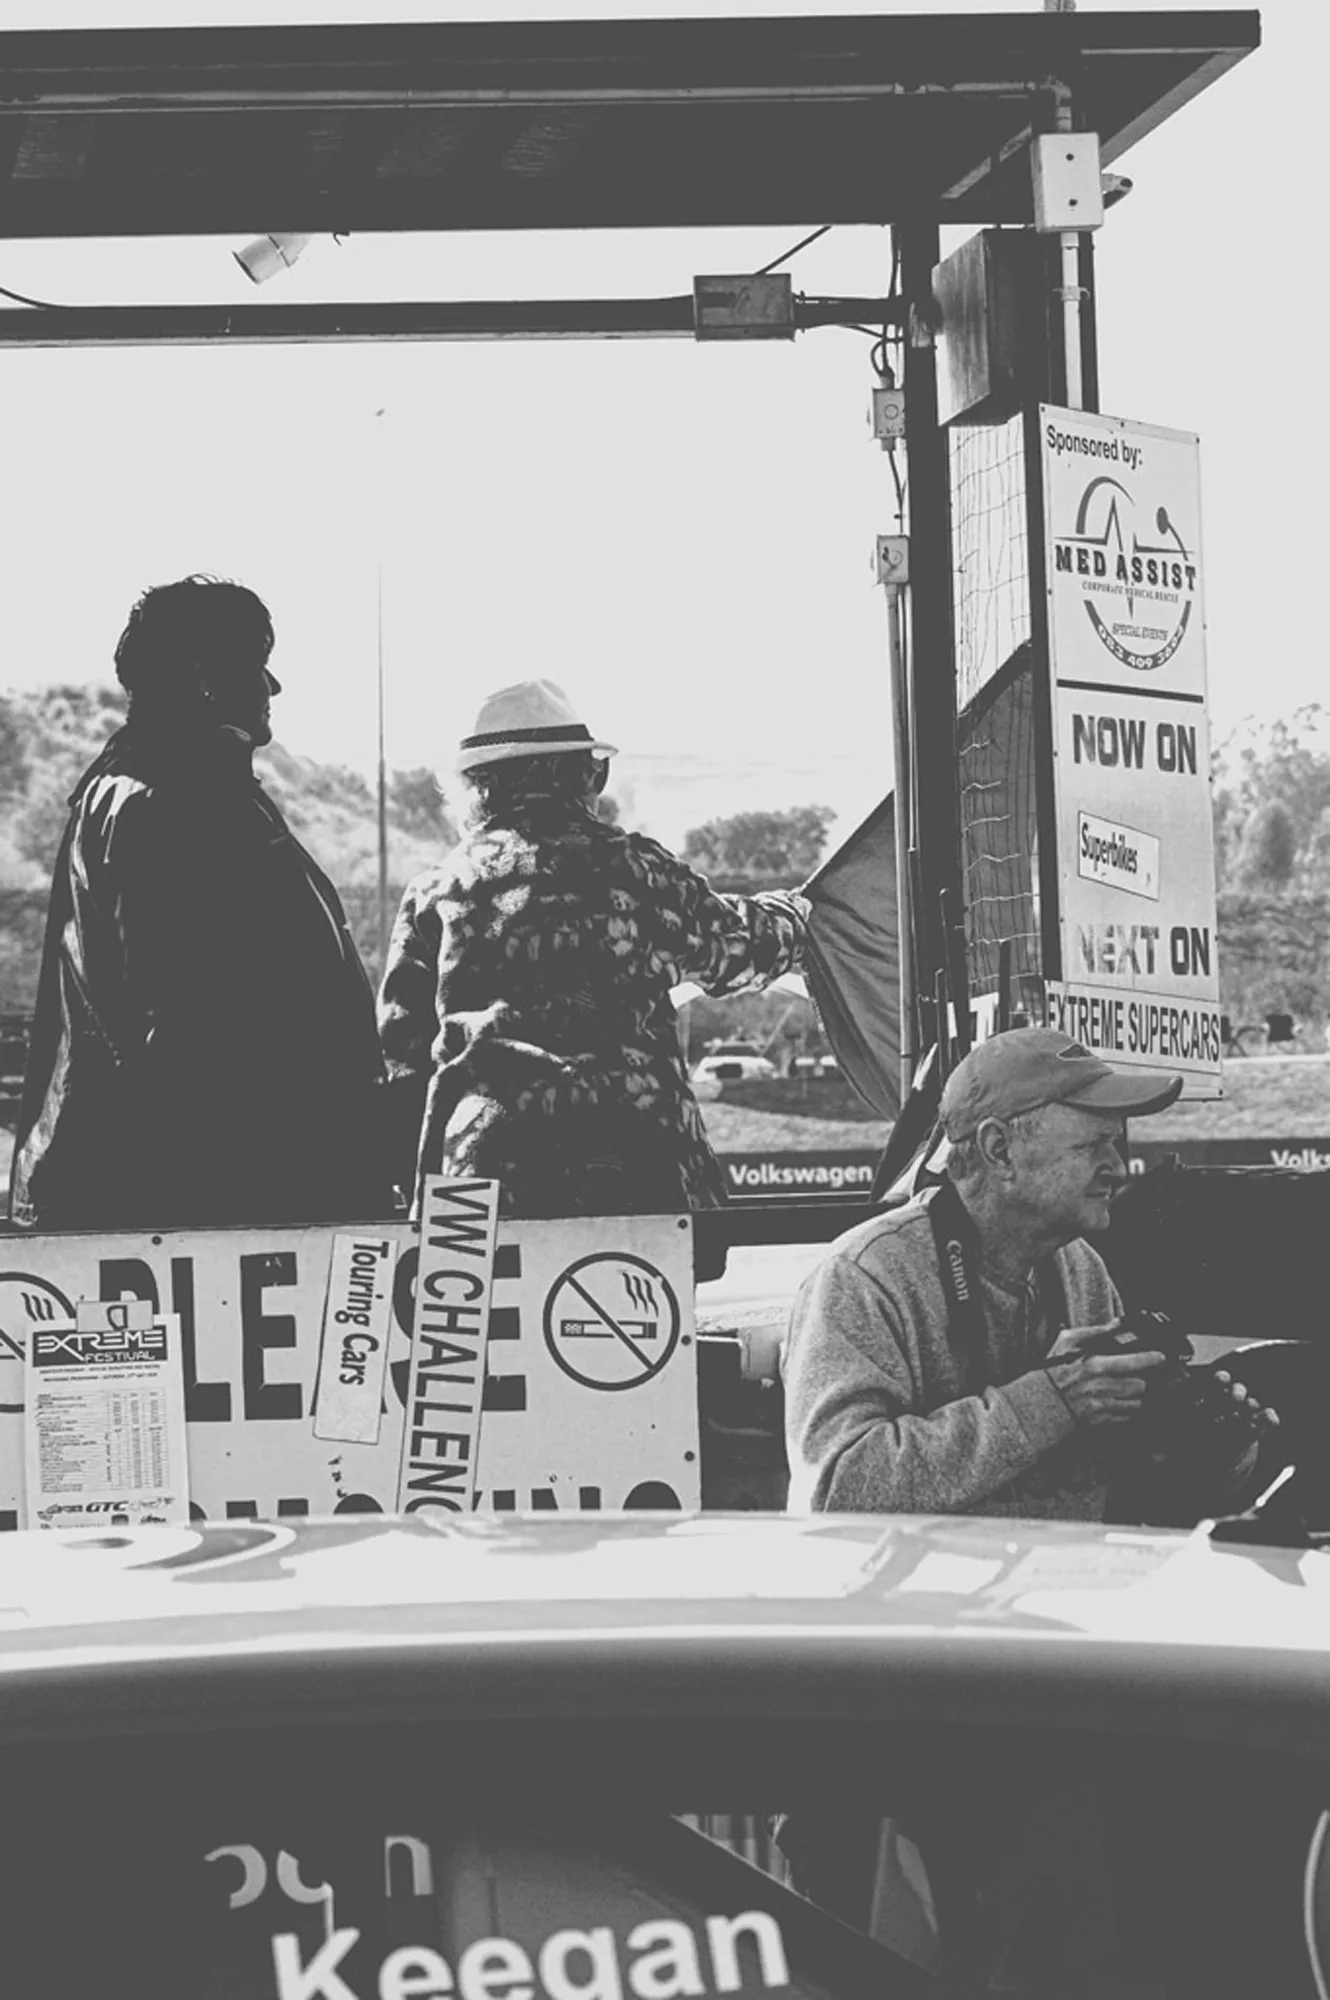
(892, 561)
(1068, 193)
(888, 414)
(744, 308)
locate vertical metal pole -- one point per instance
(958, 973)
(1069, 253)
(383, 795)
(1047, 885)
(1004, 986)
(378, 487)
(1089, 325)
(932, 675)
(1069, 243)
(900, 745)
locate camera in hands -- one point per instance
(1185, 1396)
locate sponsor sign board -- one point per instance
(822, 1173)
(1296, 1156)
(1131, 747)
(1136, 1027)
(251, 1308)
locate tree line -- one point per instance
(1271, 803)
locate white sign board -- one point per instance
(251, 1308)
(104, 1419)
(1131, 744)
(357, 1317)
(459, 1222)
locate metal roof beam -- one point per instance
(468, 319)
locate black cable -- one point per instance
(899, 485)
(893, 292)
(786, 254)
(881, 365)
(20, 298)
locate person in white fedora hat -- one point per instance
(535, 718)
(525, 1011)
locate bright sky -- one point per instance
(682, 535)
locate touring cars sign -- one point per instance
(1131, 748)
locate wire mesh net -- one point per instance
(999, 829)
(990, 551)
(995, 696)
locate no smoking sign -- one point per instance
(612, 1321)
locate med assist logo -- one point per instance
(1137, 576)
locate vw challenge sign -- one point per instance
(1131, 745)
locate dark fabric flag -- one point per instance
(852, 958)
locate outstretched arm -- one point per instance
(728, 944)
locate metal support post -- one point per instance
(1069, 244)
(904, 784)
(1070, 289)
(932, 671)
(382, 787)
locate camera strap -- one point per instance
(955, 1242)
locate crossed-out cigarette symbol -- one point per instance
(583, 1305)
(640, 1293)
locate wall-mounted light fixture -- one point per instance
(267, 255)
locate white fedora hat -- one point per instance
(533, 719)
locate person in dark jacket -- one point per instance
(529, 977)
(204, 1049)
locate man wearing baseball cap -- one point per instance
(934, 1359)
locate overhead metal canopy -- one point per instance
(574, 125)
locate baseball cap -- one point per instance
(1028, 1067)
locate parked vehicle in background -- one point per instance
(733, 1062)
(379, 1756)
(815, 1067)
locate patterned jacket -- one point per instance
(529, 979)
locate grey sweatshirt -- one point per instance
(878, 1419)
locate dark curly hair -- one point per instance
(204, 620)
(496, 789)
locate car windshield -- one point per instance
(559, 1861)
